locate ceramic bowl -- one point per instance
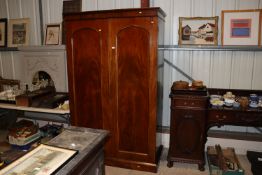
(229, 100)
(216, 102)
(215, 97)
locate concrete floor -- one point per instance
(177, 169)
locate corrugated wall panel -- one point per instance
(220, 69)
(89, 5)
(105, 5)
(241, 75)
(248, 4)
(124, 4)
(14, 9)
(201, 66)
(202, 8)
(3, 9)
(183, 60)
(33, 14)
(257, 71)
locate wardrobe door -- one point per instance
(88, 72)
(133, 87)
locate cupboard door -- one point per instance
(133, 87)
(187, 133)
(88, 72)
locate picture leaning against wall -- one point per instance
(241, 27)
(3, 32)
(18, 32)
(198, 30)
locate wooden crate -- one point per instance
(223, 161)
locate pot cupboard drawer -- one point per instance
(189, 102)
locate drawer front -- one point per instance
(235, 118)
(189, 102)
(250, 118)
(220, 117)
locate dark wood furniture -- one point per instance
(90, 157)
(192, 116)
(187, 127)
(114, 72)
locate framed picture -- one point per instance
(198, 30)
(44, 159)
(18, 32)
(241, 27)
(53, 34)
(3, 32)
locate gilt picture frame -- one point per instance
(198, 30)
(3, 32)
(44, 159)
(241, 27)
(18, 32)
(53, 34)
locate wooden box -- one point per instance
(223, 161)
(28, 98)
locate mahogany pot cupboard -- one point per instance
(115, 80)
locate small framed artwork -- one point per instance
(241, 27)
(198, 30)
(3, 32)
(53, 34)
(44, 159)
(18, 32)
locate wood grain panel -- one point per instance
(133, 78)
(87, 78)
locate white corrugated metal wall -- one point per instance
(218, 69)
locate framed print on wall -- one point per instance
(18, 32)
(53, 34)
(198, 30)
(3, 32)
(241, 27)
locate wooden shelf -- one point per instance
(34, 48)
(209, 48)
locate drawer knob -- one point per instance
(221, 117)
(185, 103)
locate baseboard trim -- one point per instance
(222, 134)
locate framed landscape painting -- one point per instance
(18, 32)
(198, 30)
(44, 159)
(3, 32)
(241, 27)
